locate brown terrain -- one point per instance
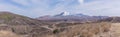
(115, 30)
(13, 25)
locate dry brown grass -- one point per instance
(8, 34)
(86, 30)
(21, 29)
(80, 30)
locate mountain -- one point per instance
(14, 19)
(65, 16)
(111, 19)
(20, 25)
(68, 14)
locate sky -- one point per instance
(37, 8)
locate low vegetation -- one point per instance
(12, 25)
(85, 30)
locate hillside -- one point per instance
(115, 30)
(22, 26)
(14, 19)
(111, 19)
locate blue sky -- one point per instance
(36, 8)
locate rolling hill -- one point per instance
(19, 24)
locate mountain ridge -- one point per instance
(71, 17)
(11, 17)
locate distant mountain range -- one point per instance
(64, 16)
(15, 19)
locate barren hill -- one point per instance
(20, 25)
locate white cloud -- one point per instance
(109, 8)
(42, 7)
(81, 1)
(14, 9)
(23, 2)
(7, 7)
